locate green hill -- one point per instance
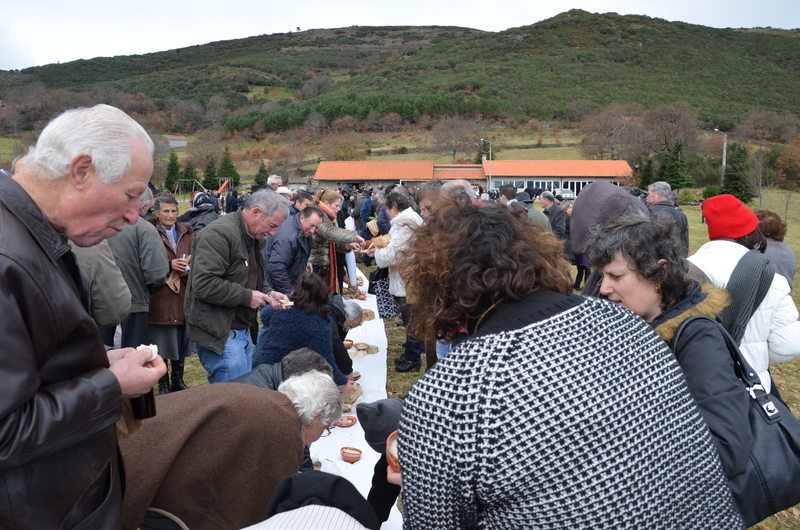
(527, 72)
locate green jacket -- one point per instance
(215, 288)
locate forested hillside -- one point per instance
(275, 82)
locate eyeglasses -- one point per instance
(326, 432)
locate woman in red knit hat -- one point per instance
(773, 332)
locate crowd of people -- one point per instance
(540, 407)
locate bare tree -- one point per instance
(759, 176)
(453, 135)
(612, 133)
(314, 87)
(579, 109)
(315, 123)
(346, 59)
(343, 147)
(669, 126)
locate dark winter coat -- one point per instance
(287, 254)
(679, 216)
(140, 257)
(338, 333)
(199, 218)
(166, 306)
(216, 285)
(708, 369)
(558, 220)
(269, 376)
(290, 329)
(59, 464)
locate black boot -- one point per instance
(408, 366)
(177, 376)
(163, 385)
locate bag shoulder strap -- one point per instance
(746, 294)
(758, 395)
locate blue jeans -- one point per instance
(236, 358)
(413, 348)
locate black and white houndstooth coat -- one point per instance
(561, 412)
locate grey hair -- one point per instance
(450, 189)
(304, 360)
(162, 199)
(274, 179)
(103, 132)
(146, 197)
(352, 310)
(14, 162)
(643, 239)
(269, 201)
(661, 187)
(547, 195)
(314, 394)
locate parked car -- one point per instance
(566, 194)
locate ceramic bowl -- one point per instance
(362, 296)
(347, 343)
(346, 421)
(351, 454)
(391, 452)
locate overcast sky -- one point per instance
(41, 32)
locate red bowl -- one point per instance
(351, 454)
(347, 343)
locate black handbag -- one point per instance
(374, 276)
(771, 482)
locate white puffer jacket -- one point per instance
(773, 333)
(403, 226)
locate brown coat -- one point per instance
(166, 306)
(326, 233)
(212, 455)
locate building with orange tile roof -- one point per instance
(545, 174)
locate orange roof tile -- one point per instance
(458, 171)
(380, 170)
(558, 168)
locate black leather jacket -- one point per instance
(59, 462)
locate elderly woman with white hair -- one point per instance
(214, 455)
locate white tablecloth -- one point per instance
(373, 385)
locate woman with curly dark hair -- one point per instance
(640, 257)
(556, 409)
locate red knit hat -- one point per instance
(728, 218)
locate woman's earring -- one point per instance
(658, 288)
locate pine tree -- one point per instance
(647, 175)
(673, 171)
(262, 175)
(483, 150)
(189, 172)
(735, 181)
(227, 171)
(210, 181)
(173, 172)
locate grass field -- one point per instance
(786, 376)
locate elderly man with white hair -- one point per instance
(62, 391)
(659, 199)
(274, 182)
(226, 285)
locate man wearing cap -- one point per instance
(773, 332)
(554, 213)
(658, 198)
(286, 193)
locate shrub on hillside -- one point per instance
(710, 191)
